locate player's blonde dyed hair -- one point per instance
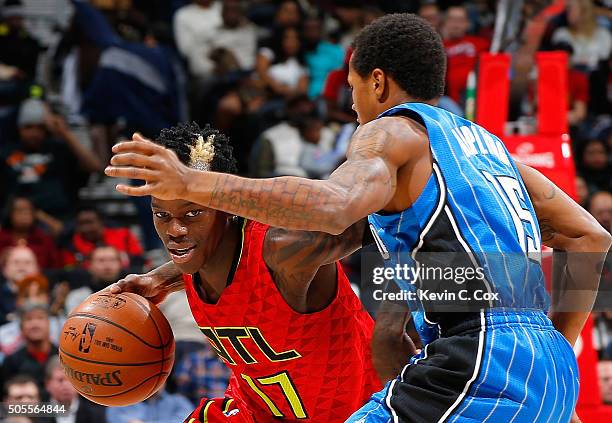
(202, 153)
(199, 148)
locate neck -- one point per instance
(20, 233)
(43, 345)
(215, 272)
(400, 97)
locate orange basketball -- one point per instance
(117, 349)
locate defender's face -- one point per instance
(365, 101)
(190, 232)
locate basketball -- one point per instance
(116, 350)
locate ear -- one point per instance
(380, 85)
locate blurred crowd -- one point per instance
(76, 76)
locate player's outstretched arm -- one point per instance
(565, 226)
(154, 285)
(364, 184)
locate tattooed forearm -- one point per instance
(357, 188)
(287, 201)
(547, 231)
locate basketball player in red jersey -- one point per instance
(274, 304)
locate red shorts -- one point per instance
(220, 410)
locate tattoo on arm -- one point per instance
(552, 193)
(362, 182)
(547, 231)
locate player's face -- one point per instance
(189, 231)
(364, 96)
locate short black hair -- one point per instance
(89, 207)
(406, 48)
(19, 379)
(181, 137)
(8, 209)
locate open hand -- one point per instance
(164, 175)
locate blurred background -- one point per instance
(77, 76)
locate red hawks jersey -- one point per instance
(313, 367)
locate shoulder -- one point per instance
(185, 12)
(561, 34)
(390, 137)
(280, 131)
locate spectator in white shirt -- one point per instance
(280, 66)
(590, 42)
(232, 47)
(195, 25)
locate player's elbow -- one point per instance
(335, 216)
(600, 239)
(338, 223)
(594, 239)
(341, 218)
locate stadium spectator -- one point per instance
(371, 13)
(280, 67)
(430, 11)
(19, 53)
(582, 192)
(318, 156)
(90, 232)
(462, 51)
(17, 264)
(191, 33)
(44, 165)
(32, 358)
(146, 78)
(338, 96)
(104, 268)
(602, 324)
(161, 407)
(279, 148)
(232, 46)
(20, 389)
(201, 374)
(224, 61)
(590, 42)
(349, 14)
(33, 289)
(20, 227)
(604, 370)
(321, 56)
(600, 206)
(288, 14)
(61, 391)
(595, 166)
